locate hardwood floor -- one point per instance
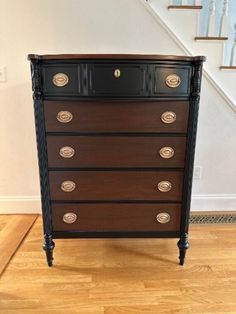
(124, 276)
(13, 229)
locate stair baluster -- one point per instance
(233, 52)
(224, 20)
(211, 19)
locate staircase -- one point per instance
(207, 28)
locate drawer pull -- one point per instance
(173, 81)
(60, 79)
(69, 218)
(64, 116)
(168, 117)
(68, 186)
(163, 218)
(67, 152)
(166, 152)
(117, 73)
(164, 186)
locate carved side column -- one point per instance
(42, 158)
(183, 243)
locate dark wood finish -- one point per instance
(118, 127)
(116, 185)
(115, 151)
(115, 57)
(116, 217)
(185, 7)
(210, 38)
(116, 116)
(115, 234)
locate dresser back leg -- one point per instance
(183, 245)
(48, 247)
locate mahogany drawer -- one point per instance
(116, 185)
(116, 116)
(115, 151)
(116, 217)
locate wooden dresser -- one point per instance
(116, 138)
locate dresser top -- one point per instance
(116, 56)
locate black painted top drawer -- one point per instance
(61, 80)
(172, 80)
(117, 79)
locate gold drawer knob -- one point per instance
(69, 218)
(60, 79)
(173, 81)
(67, 152)
(166, 152)
(68, 186)
(64, 116)
(163, 218)
(117, 73)
(164, 186)
(168, 117)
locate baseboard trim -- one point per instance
(200, 203)
(213, 202)
(20, 204)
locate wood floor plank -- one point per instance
(12, 234)
(123, 276)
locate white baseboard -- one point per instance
(213, 202)
(20, 205)
(203, 202)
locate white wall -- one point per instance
(92, 26)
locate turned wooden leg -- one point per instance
(183, 245)
(48, 247)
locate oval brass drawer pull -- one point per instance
(64, 116)
(117, 73)
(60, 79)
(69, 218)
(166, 152)
(164, 186)
(67, 152)
(68, 186)
(173, 80)
(168, 117)
(163, 218)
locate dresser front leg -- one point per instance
(48, 247)
(183, 245)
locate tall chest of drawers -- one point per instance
(116, 138)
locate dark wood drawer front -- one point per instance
(172, 81)
(116, 217)
(115, 185)
(61, 80)
(115, 151)
(116, 116)
(117, 79)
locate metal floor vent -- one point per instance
(213, 219)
